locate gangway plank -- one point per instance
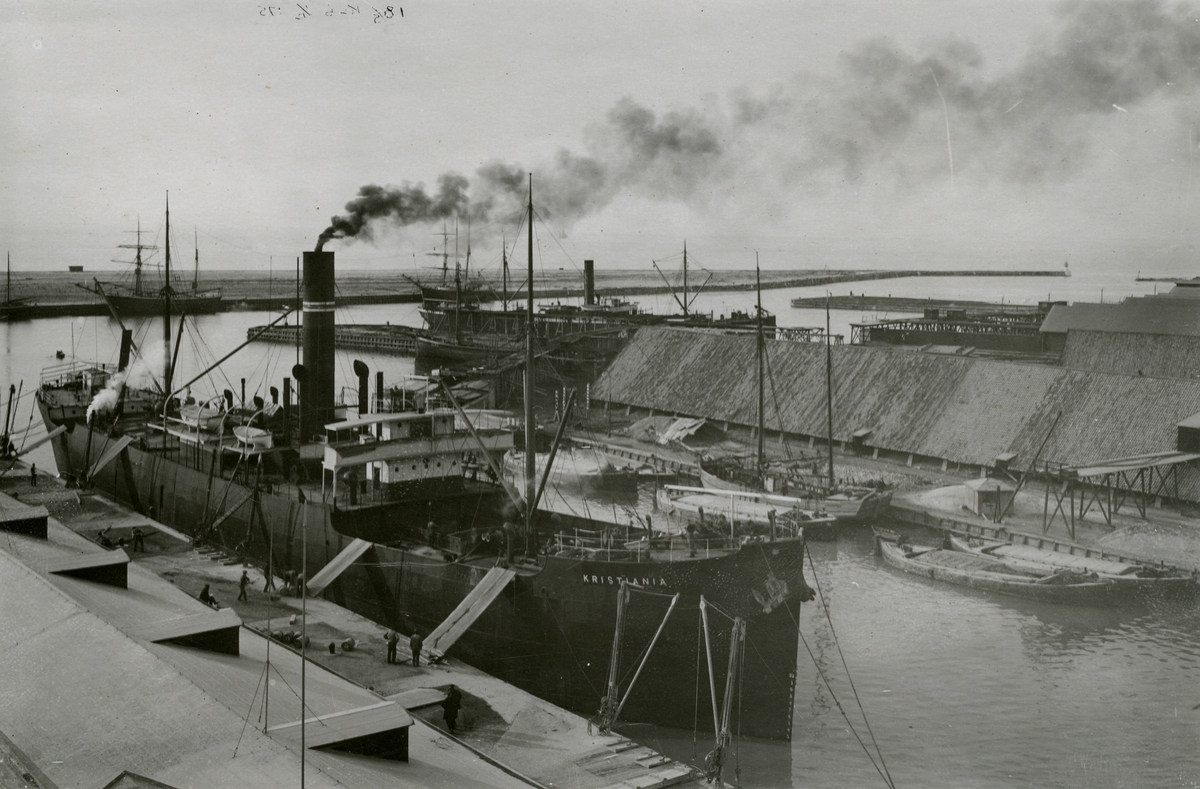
(109, 455)
(329, 573)
(470, 609)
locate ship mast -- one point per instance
(685, 291)
(196, 271)
(761, 391)
(530, 424)
(504, 274)
(829, 390)
(166, 302)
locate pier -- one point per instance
(903, 305)
(387, 339)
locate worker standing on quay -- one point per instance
(393, 638)
(450, 707)
(415, 642)
(243, 582)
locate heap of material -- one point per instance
(961, 410)
(102, 679)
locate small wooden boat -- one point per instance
(735, 506)
(1027, 558)
(984, 572)
(254, 438)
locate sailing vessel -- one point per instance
(798, 478)
(146, 299)
(404, 525)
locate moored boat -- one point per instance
(1126, 575)
(732, 507)
(981, 572)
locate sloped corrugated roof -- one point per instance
(1146, 316)
(86, 700)
(1130, 353)
(962, 409)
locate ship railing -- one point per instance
(658, 547)
(61, 374)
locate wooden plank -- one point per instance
(110, 455)
(329, 573)
(469, 610)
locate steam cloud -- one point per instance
(139, 374)
(879, 115)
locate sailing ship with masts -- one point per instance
(145, 297)
(798, 482)
(404, 524)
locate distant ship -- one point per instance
(144, 299)
(577, 341)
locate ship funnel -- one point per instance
(589, 282)
(316, 389)
(364, 375)
(126, 345)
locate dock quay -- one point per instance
(1163, 538)
(382, 339)
(131, 670)
(914, 306)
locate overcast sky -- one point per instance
(824, 134)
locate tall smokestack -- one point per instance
(589, 282)
(316, 393)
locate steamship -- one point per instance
(407, 491)
(578, 341)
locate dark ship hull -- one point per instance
(551, 630)
(152, 306)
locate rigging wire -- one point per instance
(842, 655)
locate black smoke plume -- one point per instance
(878, 117)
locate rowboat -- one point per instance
(730, 507)
(984, 572)
(1127, 575)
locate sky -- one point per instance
(819, 134)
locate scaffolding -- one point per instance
(1109, 485)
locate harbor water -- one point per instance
(961, 688)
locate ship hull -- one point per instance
(152, 306)
(551, 630)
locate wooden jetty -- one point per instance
(915, 306)
(388, 340)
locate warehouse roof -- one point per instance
(1150, 316)
(88, 697)
(963, 409)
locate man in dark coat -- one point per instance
(415, 642)
(243, 582)
(450, 707)
(393, 638)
